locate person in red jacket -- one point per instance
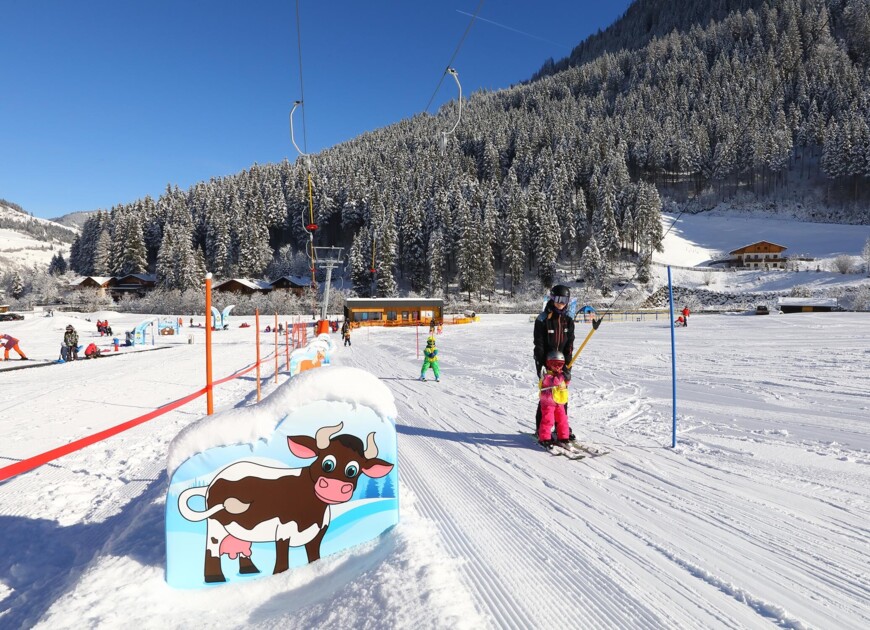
(10, 343)
(685, 316)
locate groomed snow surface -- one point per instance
(757, 519)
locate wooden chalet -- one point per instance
(98, 284)
(136, 284)
(760, 255)
(243, 286)
(393, 311)
(296, 284)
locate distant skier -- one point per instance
(686, 315)
(345, 333)
(554, 330)
(553, 401)
(430, 359)
(681, 321)
(10, 343)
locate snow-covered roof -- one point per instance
(145, 277)
(795, 301)
(101, 280)
(298, 280)
(246, 425)
(739, 250)
(256, 285)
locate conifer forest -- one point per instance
(678, 102)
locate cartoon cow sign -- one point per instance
(248, 502)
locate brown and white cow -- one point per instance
(248, 502)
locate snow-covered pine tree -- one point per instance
(58, 265)
(591, 264)
(436, 265)
(17, 285)
(413, 247)
(134, 257)
(385, 254)
(360, 262)
(101, 261)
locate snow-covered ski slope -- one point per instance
(759, 518)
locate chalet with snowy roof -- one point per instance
(98, 284)
(296, 284)
(243, 286)
(807, 305)
(760, 255)
(393, 311)
(137, 284)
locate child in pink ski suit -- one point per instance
(554, 396)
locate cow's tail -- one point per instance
(193, 515)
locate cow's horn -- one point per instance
(371, 447)
(324, 434)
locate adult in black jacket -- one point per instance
(554, 330)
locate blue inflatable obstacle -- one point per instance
(137, 338)
(220, 320)
(310, 471)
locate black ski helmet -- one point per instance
(561, 290)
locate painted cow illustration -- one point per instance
(248, 502)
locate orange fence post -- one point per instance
(209, 395)
(276, 348)
(287, 343)
(257, 328)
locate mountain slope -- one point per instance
(26, 241)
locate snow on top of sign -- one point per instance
(246, 425)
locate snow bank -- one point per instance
(246, 425)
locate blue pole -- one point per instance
(673, 361)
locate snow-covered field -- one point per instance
(759, 518)
(693, 239)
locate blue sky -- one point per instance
(104, 102)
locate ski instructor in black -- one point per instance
(554, 330)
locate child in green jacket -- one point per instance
(430, 359)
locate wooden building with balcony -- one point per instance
(760, 255)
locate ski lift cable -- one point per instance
(449, 65)
(311, 227)
(301, 83)
(747, 124)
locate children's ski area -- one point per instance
(758, 518)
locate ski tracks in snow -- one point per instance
(547, 541)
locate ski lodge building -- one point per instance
(393, 311)
(760, 255)
(806, 305)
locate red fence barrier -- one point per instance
(25, 465)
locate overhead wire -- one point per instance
(455, 52)
(311, 227)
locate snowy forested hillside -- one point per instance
(26, 241)
(748, 101)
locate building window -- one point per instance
(404, 316)
(391, 316)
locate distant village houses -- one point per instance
(139, 284)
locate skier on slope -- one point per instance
(554, 330)
(430, 359)
(553, 402)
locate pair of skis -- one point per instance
(574, 449)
